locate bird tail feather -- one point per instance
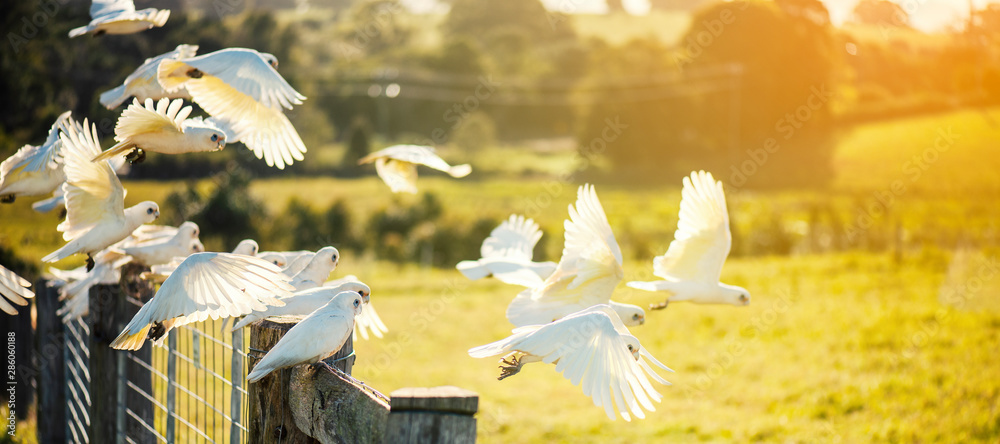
(119, 148)
(133, 341)
(113, 98)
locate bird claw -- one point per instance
(659, 306)
(136, 156)
(90, 262)
(512, 368)
(8, 198)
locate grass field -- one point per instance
(868, 344)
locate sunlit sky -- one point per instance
(926, 15)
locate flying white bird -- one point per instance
(304, 302)
(96, 216)
(183, 243)
(507, 255)
(142, 82)
(14, 289)
(591, 348)
(587, 274)
(34, 170)
(165, 129)
(245, 95)
(692, 265)
(397, 165)
(205, 285)
(317, 269)
(317, 337)
(120, 17)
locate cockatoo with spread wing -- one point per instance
(397, 165)
(120, 17)
(302, 303)
(245, 95)
(96, 216)
(206, 285)
(317, 337)
(507, 254)
(34, 170)
(591, 348)
(587, 274)
(692, 265)
(163, 128)
(14, 290)
(142, 83)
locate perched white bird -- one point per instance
(142, 83)
(591, 348)
(317, 270)
(96, 216)
(587, 274)
(692, 265)
(120, 17)
(205, 285)
(507, 254)
(183, 243)
(317, 337)
(34, 170)
(291, 262)
(164, 128)
(302, 303)
(14, 289)
(369, 319)
(397, 165)
(245, 95)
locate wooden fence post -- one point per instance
(49, 342)
(18, 337)
(110, 311)
(440, 415)
(137, 291)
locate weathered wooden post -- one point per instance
(50, 340)
(440, 415)
(110, 310)
(137, 291)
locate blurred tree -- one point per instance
(301, 227)
(230, 212)
(475, 132)
(881, 12)
(358, 143)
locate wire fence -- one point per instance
(191, 389)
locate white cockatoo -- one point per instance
(14, 290)
(291, 262)
(244, 93)
(163, 128)
(183, 243)
(317, 337)
(302, 303)
(34, 170)
(692, 265)
(397, 165)
(96, 216)
(587, 274)
(120, 17)
(142, 83)
(507, 254)
(206, 285)
(317, 269)
(591, 348)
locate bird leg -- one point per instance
(659, 306)
(9, 198)
(136, 156)
(194, 73)
(512, 368)
(90, 262)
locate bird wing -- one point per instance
(14, 288)
(246, 72)
(587, 274)
(702, 240)
(400, 176)
(420, 155)
(165, 117)
(100, 8)
(204, 285)
(515, 238)
(49, 155)
(368, 319)
(94, 195)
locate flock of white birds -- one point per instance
(564, 316)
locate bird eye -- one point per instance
(630, 347)
(635, 316)
(335, 258)
(215, 137)
(149, 211)
(357, 302)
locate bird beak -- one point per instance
(366, 297)
(156, 213)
